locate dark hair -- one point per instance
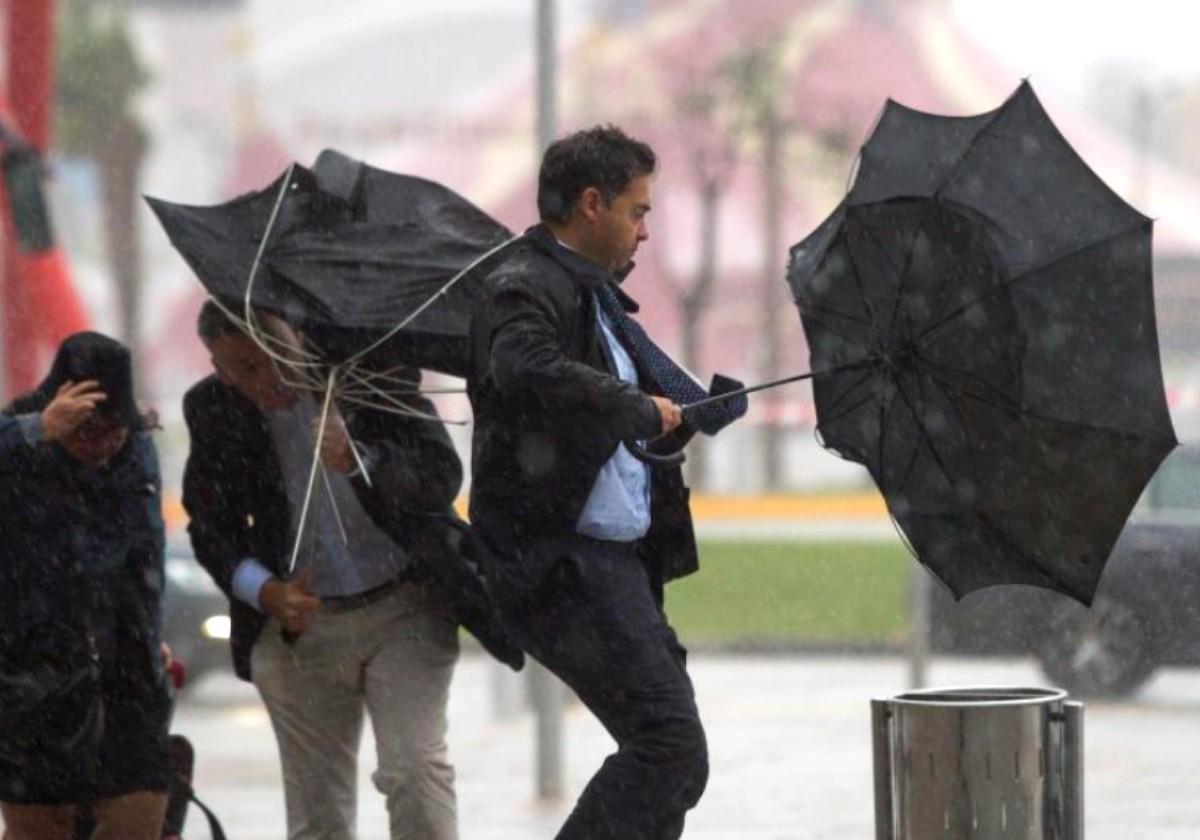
(90, 355)
(212, 323)
(603, 157)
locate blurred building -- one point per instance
(757, 111)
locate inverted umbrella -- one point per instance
(347, 252)
(979, 311)
(376, 268)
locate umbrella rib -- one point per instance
(912, 246)
(316, 466)
(847, 412)
(916, 450)
(1025, 272)
(999, 532)
(862, 294)
(825, 310)
(374, 406)
(307, 359)
(407, 385)
(337, 514)
(924, 400)
(433, 298)
(254, 331)
(301, 385)
(1001, 401)
(881, 450)
(370, 375)
(924, 435)
(870, 231)
(833, 403)
(1078, 249)
(398, 405)
(980, 398)
(817, 319)
(953, 170)
(366, 392)
(1045, 418)
(1062, 585)
(307, 381)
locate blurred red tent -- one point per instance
(838, 61)
(39, 303)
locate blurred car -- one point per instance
(1146, 612)
(195, 615)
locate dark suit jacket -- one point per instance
(550, 411)
(233, 490)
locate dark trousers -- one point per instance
(597, 624)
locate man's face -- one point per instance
(241, 364)
(618, 228)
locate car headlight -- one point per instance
(216, 627)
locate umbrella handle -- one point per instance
(670, 459)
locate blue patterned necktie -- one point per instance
(674, 382)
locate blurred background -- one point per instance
(757, 109)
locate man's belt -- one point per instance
(343, 603)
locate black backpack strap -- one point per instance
(180, 792)
(214, 824)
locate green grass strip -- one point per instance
(779, 591)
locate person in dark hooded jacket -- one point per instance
(84, 701)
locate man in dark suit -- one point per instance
(584, 535)
(359, 626)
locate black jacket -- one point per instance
(550, 411)
(234, 493)
(80, 549)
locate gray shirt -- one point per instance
(344, 548)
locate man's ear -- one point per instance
(221, 377)
(591, 202)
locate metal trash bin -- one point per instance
(978, 764)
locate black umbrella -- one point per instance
(980, 313)
(347, 252)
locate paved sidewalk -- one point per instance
(790, 746)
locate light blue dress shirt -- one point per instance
(618, 507)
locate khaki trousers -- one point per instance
(393, 659)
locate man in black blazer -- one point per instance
(582, 534)
(362, 624)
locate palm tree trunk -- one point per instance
(694, 303)
(120, 158)
(772, 271)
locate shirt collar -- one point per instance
(591, 275)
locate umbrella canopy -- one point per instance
(350, 252)
(979, 311)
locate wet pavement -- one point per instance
(789, 741)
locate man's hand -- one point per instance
(336, 452)
(670, 414)
(73, 403)
(291, 601)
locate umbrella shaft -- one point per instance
(762, 386)
(750, 390)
